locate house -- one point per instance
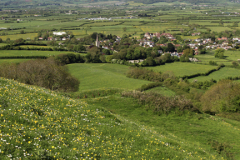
(158, 35)
(236, 39)
(40, 38)
(64, 39)
(50, 38)
(196, 34)
(147, 43)
(105, 47)
(148, 35)
(59, 33)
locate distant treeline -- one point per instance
(170, 1)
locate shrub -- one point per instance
(222, 97)
(44, 73)
(161, 104)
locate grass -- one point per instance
(38, 123)
(205, 58)
(181, 69)
(17, 36)
(30, 53)
(12, 60)
(162, 90)
(221, 74)
(103, 75)
(191, 132)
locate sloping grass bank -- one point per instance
(39, 124)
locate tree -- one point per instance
(170, 47)
(188, 52)
(222, 97)
(219, 53)
(22, 32)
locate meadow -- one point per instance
(220, 74)
(12, 60)
(103, 75)
(4, 53)
(39, 123)
(182, 69)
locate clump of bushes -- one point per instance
(161, 104)
(145, 74)
(222, 97)
(45, 73)
(149, 86)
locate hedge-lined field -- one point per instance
(103, 75)
(182, 69)
(221, 74)
(4, 53)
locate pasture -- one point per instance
(103, 75)
(182, 69)
(205, 58)
(220, 74)
(162, 90)
(4, 53)
(4, 61)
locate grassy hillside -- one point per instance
(38, 123)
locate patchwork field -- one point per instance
(30, 53)
(162, 90)
(96, 76)
(181, 69)
(221, 74)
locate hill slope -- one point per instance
(39, 123)
(36, 3)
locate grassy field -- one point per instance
(96, 76)
(17, 36)
(12, 60)
(205, 58)
(30, 53)
(222, 73)
(162, 90)
(181, 69)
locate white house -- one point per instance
(59, 33)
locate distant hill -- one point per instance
(188, 1)
(19, 3)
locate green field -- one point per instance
(30, 53)
(96, 76)
(221, 74)
(12, 60)
(205, 58)
(181, 69)
(162, 90)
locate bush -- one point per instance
(149, 86)
(222, 97)
(44, 73)
(161, 104)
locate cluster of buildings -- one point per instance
(108, 19)
(58, 37)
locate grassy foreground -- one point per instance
(40, 124)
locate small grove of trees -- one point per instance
(219, 53)
(45, 73)
(222, 97)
